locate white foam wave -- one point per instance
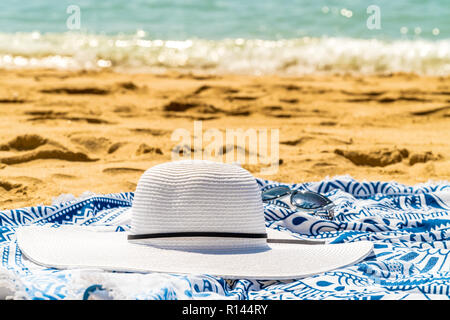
(290, 56)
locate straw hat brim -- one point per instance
(70, 247)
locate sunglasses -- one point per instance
(306, 201)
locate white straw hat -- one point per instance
(191, 216)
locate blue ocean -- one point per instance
(231, 36)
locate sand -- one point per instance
(65, 132)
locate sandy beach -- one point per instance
(66, 132)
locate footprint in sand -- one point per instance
(182, 106)
(38, 147)
(423, 157)
(50, 115)
(8, 186)
(201, 89)
(200, 108)
(44, 113)
(273, 108)
(128, 85)
(12, 100)
(47, 154)
(293, 100)
(77, 90)
(214, 91)
(432, 111)
(238, 150)
(115, 146)
(64, 176)
(24, 142)
(122, 170)
(277, 112)
(378, 158)
(28, 142)
(364, 93)
(290, 87)
(92, 144)
(298, 141)
(144, 149)
(191, 117)
(328, 123)
(228, 92)
(123, 109)
(150, 131)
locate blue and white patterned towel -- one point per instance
(409, 226)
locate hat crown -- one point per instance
(198, 196)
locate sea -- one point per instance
(288, 37)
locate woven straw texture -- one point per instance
(198, 196)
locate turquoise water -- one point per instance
(220, 19)
(284, 36)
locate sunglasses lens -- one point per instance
(309, 200)
(275, 193)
